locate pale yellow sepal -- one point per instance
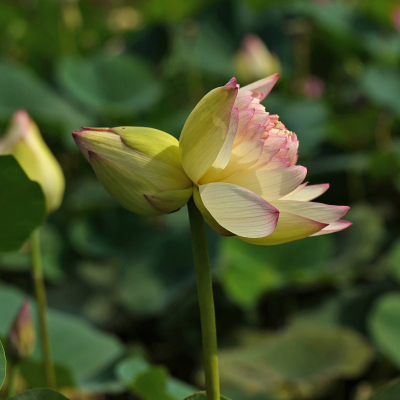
(156, 144)
(205, 131)
(171, 201)
(125, 185)
(24, 141)
(151, 153)
(207, 216)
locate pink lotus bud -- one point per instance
(254, 60)
(22, 336)
(314, 88)
(396, 18)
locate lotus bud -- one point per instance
(24, 141)
(22, 336)
(139, 167)
(254, 61)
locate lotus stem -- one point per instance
(206, 301)
(40, 292)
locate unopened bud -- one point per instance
(254, 61)
(22, 336)
(24, 141)
(139, 167)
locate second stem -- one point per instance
(40, 292)
(206, 301)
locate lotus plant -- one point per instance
(24, 142)
(235, 166)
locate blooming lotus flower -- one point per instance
(237, 160)
(242, 162)
(139, 167)
(24, 141)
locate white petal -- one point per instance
(263, 86)
(324, 213)
(290, 227)
(272, 184)
(334, 227)
(238, 210)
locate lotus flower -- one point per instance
(242, 162)
(237, 160)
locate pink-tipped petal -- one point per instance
(239, 210)
(336, 226)
(290, 227)
(232, 83)
(263, 86)
(324, 213)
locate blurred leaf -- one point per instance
(147, 381)
(3, 364)
(384, 164)
(20, 88)
(116, 85)
(22, 205)
(390, 391)
(384, 325)
(302, 355)
(76, 344)
(382, 86)
(201, 396)
(250, 271)
(201, 47)
(39, 394)
(361, 242)
(52, 244)
(353, 130)
(34, 374)
(393, 259)
(172, 10)
(151, 385)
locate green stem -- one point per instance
(40, 292)
(206, 301)
(14, 369)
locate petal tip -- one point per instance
(232, 83)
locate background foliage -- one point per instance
(314, 319)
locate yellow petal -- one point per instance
(224, 155)
(125, 185)
(205, 131)
(239, 210)
(290, 227)
(170, 201)
(207, 216)
(272, 184)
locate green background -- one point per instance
(313, 319)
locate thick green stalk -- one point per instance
(206, 301)
(40, 292)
